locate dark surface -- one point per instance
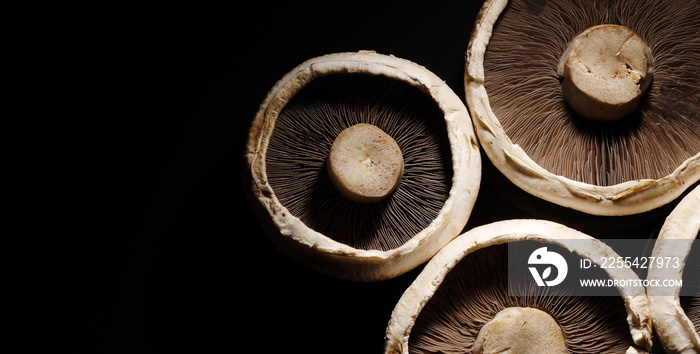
(129, 122)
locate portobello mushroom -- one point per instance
(590, 105)
(463, 300)
(315, 131)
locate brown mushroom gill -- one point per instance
(308, 125)
(475, 290)
(691, 286)
(524, 89)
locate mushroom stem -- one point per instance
(520, 330)
(365, 164)
(605, 71)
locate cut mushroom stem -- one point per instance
(365, 164)
(520, 330)
(605, 72)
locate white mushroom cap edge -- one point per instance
(422, 289)
(320, 252)
(674, 329)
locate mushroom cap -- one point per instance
(624, 198)
(426, 284)
(318, 251)
(675, 330)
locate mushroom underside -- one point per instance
(524, 89)
(304, 131)
(476, 289)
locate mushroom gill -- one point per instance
(305, 130)
(691, 306)
(476, 290)
(691, 286)
(524, 89)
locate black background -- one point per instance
(126, 126)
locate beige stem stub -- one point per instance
(365, 164)
(522, 330)
(605, 71)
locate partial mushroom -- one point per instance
(362, 165)
(677, 317)
(462, 301)
(590, 105)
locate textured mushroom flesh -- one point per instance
(475, 290)
(605, 72)
(304, 133)
(523, 330)
(691, 285)
(524, 91)
(364, 163)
